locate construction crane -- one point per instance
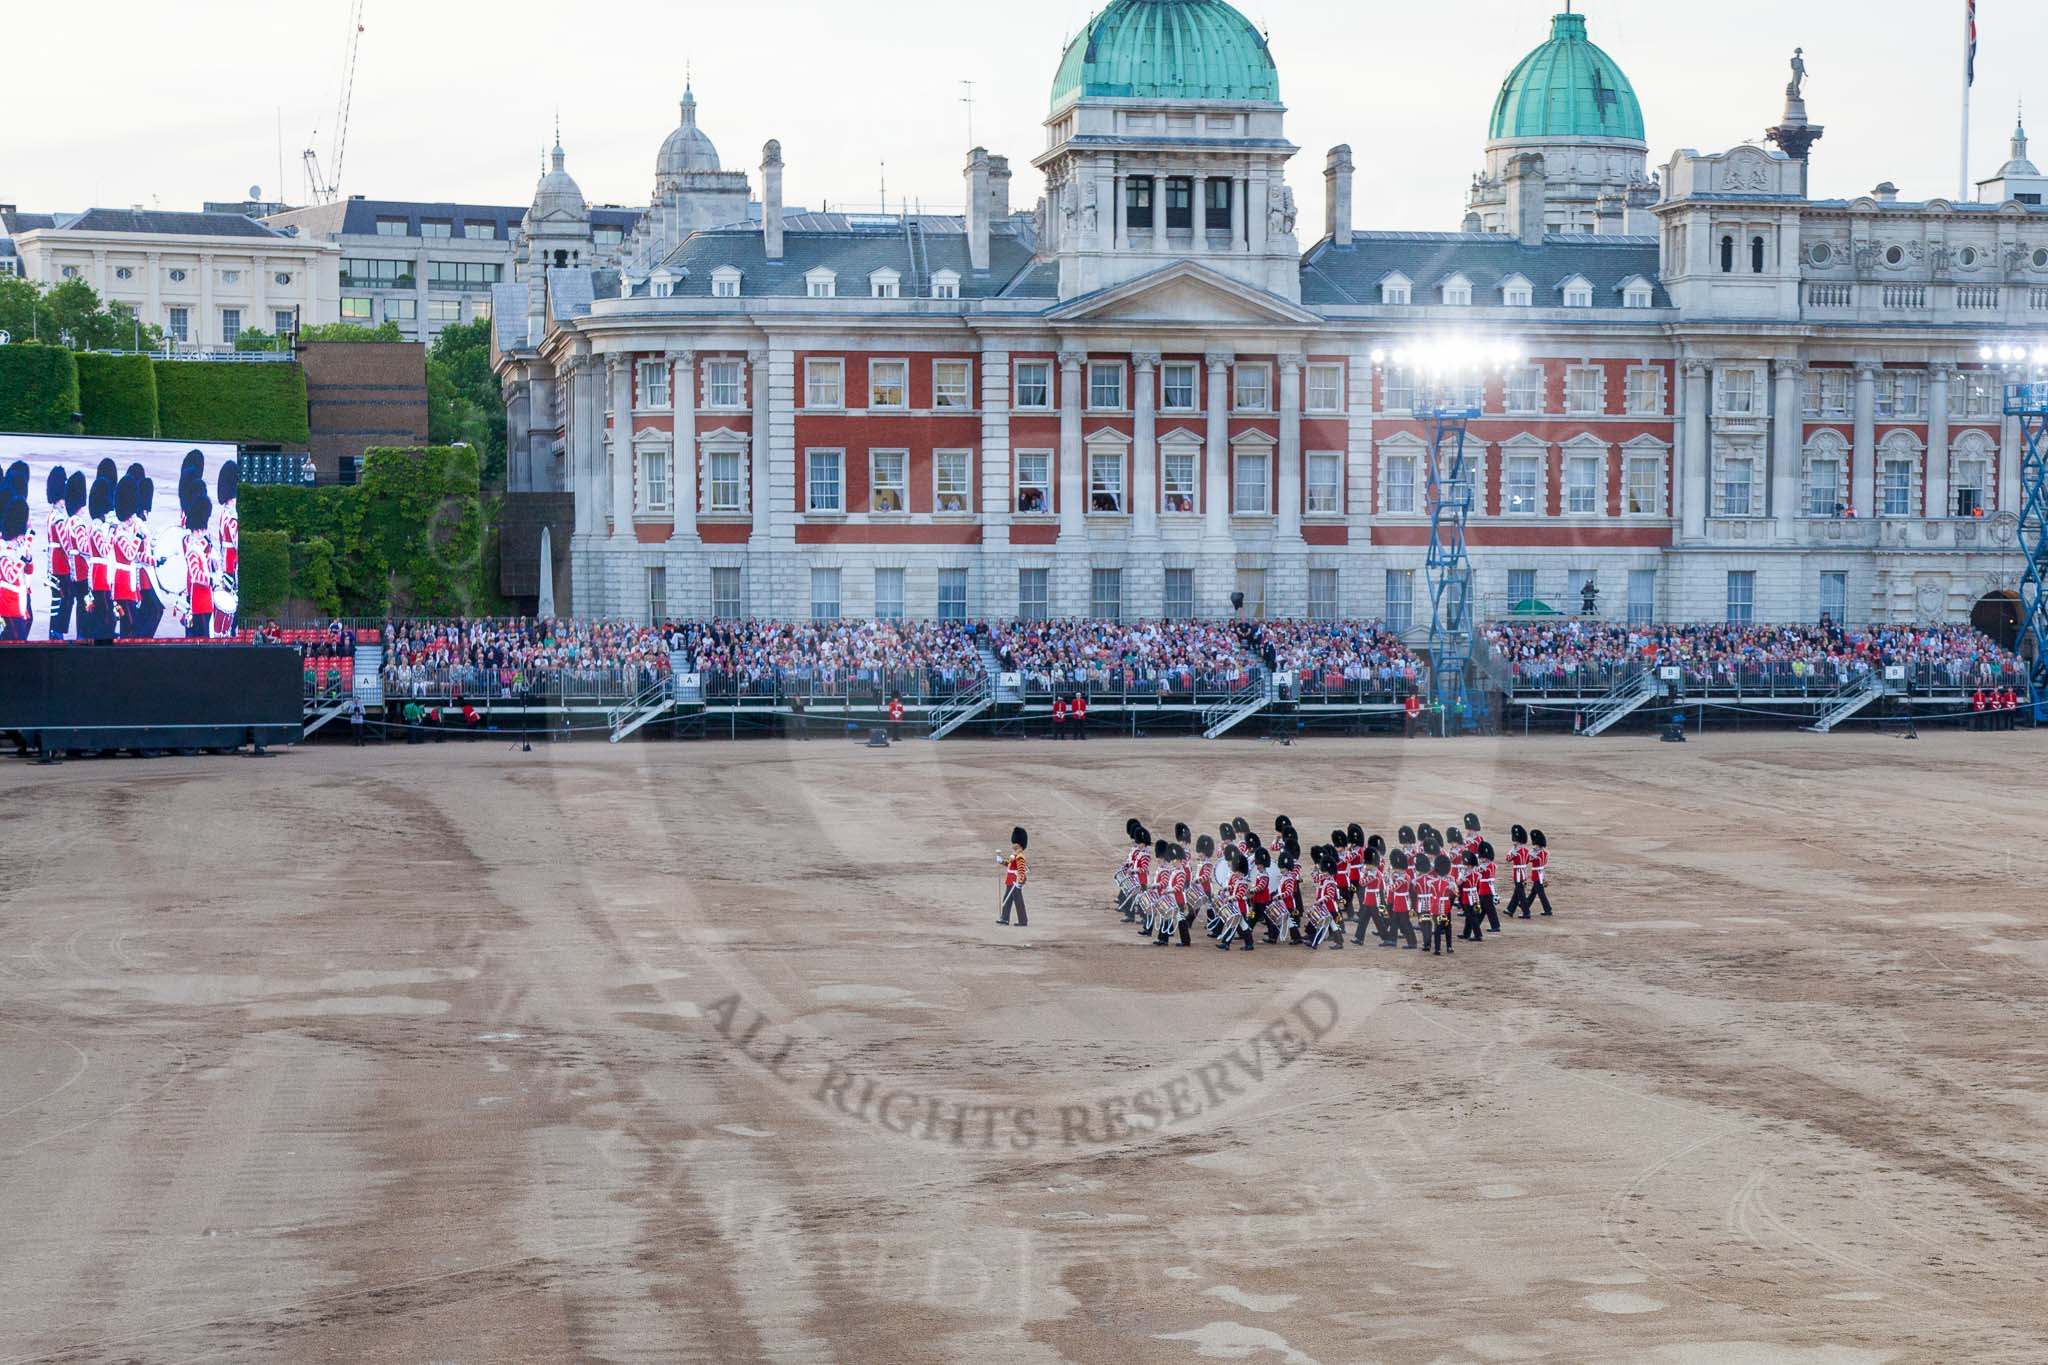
(325, 189)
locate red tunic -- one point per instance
(1519, 861)
(60, 539)
(199, 572)
(102, 541)
(13, 581)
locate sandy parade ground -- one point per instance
(715, 1052)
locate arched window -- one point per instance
(1756, 255)
(1727, 255)
(561, 260)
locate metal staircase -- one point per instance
(1846, 700)
(1227, 715)
(962, 707)
(321, 712)
(654, 699)
(1623, 700)
(1006, 694)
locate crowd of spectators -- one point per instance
(832, 655)
(506, 656)
(1579, 653)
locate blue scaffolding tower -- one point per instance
(2028, 404)
(1454, 672)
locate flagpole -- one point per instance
(1969, 33)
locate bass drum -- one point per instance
(169, 577)
(225, 600)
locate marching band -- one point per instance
(1238, 884)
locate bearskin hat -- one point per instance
(1486, 849)
(1287, 862)
(1425, 830)
(191, 467)
(1226, 831)
(1536, 838)
(107, 470)
(145, 499)
(1454, 835)
(1354, 831)
(229, 483)
(135, 470)
(53, 487)
(17, 478)
(1131, 827)
(13, 516)
(1141, 835)
(1020, 836)
(1378, 842)
(1443, 864)
(1471, 856)
(1406, 834)
(1238, 863)
(1372, 857)
(1159, 848)
(101, 500)
(1518, 834)
(1398, 859)
(1261, 857)
(1471, 821)
(1282, 822)
(1181, 833)
(1338, 838)
(127, 496)
(1205, 846)
(74, 493)
(1240, 825)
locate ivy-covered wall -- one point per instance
(117, 394)
(219, 401)
(38, 388)
(408, 537)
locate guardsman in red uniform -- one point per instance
(1398, 885)
(1059, 717)
(896, 710)
(1412, 708)
(127, 554)
(197, 549)
(1539, 872)
(228, 542)
(1518, 863)
(1238, 916)
(1136, 873)
(1466, 870)
(56, 536)
(1488, 871)
(16, 555)
(1372, 886)
(1013, 876)
(1080, 715)
(99, 540)
(1176, 891)
(1977, 705)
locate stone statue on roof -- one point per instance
(1797, 89)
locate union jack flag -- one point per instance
(1970, 74)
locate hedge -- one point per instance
(38, 388)
(117, 394)
(408, 537)
(266, 572)
(242, 401)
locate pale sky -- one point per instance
(167, 105)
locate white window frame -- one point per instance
(1325, 377)
(965, 492)
(885, 284)
(1194, 386)
(1888, 462)
(1397, 388)
(1405, 618)
(717, 365)
(725, 282)
(1410, 457)
(656, 476)
(1035, 604)
(1323, 497)
(1325, 593)
(1901, 396)
(1727, 391)
(1577, 292)
(724, 606)
(830, 579)
(1106, 456)
(1023, 485)
(885, 608)
(900, 366)
(650, 385)
(1520, 399)
(228, 335)
(1576, 461)
(1746, 578)
(736, 505)
(1097, 579)
(1123, 388)
(1017, 386)
(1636, 292)
(1575, 404)
(963, 397)
(1177, 600)
(1178, 450)
(1725, 466)
(824, 384)
(1512, 459)
(178, 323)
(899, 485)
(946, 284)
(1245, 458)
(1397, 289)
(821, 284)
(1829, 393)
(1820, 485)
(1517, 292)
(1643, 391)
(1455, 292)
(1262, 397)
(836, 458)
(1633, 464)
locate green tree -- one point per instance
(24, 313)
(72, 314)
(464, 401)
(386, 330)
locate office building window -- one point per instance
(444, 310)
(1106, 386)
(392, 227)
(951, 381)
(1827, 393)
(824, 383)
(952, 594)
(1249, 486)
(1033, 595)
(1034, 384)
(470, 276)
(728, 482)
(653, 383)
(1521, 493)
(1105, 481)
(355, 309)
(1179, 602)
(402, 310)
(888, 594)
(950, 475)
(1034, 481)
(1322, 594)
(1741, 596)
(1521, 588)
(1325, 388)
(230, 324)
(1252, 388)
(1106, 594)
(657, 596)
(358, 272)
(1179, 389)
(888, 383)
(1399, 494)
(1177, 476)
(1400, 614)
(888, 480)
(1585, 390)
(824, 594)
(724, 386)
(728, 602)
(824, 481)
(1834, 596)
(1642, 596)
(1324, 493)
(1582, 485)
(436, 227)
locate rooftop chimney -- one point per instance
(1887, 193)
(771, 200)
(1337, 196)
(977, 207)
(998, 188)
(1525, 198)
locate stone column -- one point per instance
(1786, 428)
(1255, 215)
(1237, 214)
(2010, 447)
(260, 277)
(1863, 464)
(1159, 208)
(421, 326)
(155, 306)
(998, 496)
(1073, 477)
(1290, 447)
(682, 392)
(1216, 460)
(205, 327)
(1120, 230)
(100, 277)
(1691, 484)
(1936, 479)
(620, 373)
(1145, 443)
(757, 478)
(583, 422)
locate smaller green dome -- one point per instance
(1567, 88)
(1167, 49)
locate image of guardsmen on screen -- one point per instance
(17, 553)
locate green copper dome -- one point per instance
(1167, 49)
(1567, 88)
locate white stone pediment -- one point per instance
(1185, 293)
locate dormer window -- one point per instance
(1578, 292)
(1455, 292)
(1517, 292)
(661, 284)
(725, 282)
(1396, 288)
(1635, 292)
(946, 284)
(885, 284)
(821, 284)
